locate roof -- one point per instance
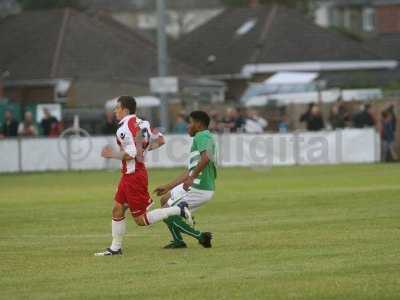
(70, 44)
(267, 34)
(138, 5)
(386, 45)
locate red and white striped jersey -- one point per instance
(148, 134)
(134, 136)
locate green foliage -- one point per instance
(360, 80)
(393, 86)
(347, 33)
(48, 4)
(291, 3)
(304, 6)
(235, 2)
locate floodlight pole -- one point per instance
(162, 60)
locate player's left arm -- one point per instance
(204, 159)
(163, 189)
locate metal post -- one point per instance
(162, 60)
(68, 152)
(339, 145)
(19, 155)
(296, 148)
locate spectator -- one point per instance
(233, 121)
(391, 112)
(110, 126)
(49, 124)
(180, 124)
(316, 120)
(254, 123)
(306, 115)
(283, 125)
(216, 125)
(240, 120)
(313, 118)
(10, 126)
(27, 127)
(388, 137)
(364, 117)
(338, 116)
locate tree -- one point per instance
(306, 6)
(291, 3)
(48, 4)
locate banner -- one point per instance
(77, 152)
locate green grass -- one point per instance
(327, 232)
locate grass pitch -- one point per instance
(327, 232)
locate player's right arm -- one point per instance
(156, 143)
(163, 189)
(156, 139)
(109, 152)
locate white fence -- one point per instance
(83, 153)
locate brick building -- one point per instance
(362, 17)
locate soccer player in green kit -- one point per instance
(196, 185)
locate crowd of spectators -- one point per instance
(237, 120)
(49, 126)
(340, 117)
(365, 117)
(234, 120)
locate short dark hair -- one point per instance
(200, 116)
(128, 102)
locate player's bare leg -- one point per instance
(159, 214)
(148, 218)
(118, 228)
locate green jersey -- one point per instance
(204, 141)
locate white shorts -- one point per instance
(194, 197)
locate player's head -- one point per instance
(198, 121)
(126, 105)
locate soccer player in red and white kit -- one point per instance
(133, 138)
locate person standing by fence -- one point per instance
(49, 124)
(28, 127)
(387, 134)
(10, 125)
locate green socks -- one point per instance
(177, 225)
(176, 235)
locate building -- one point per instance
(8, 7)
(243, 45)
(69, 57)
(182, 16)
(387, 45)
(361, 17)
